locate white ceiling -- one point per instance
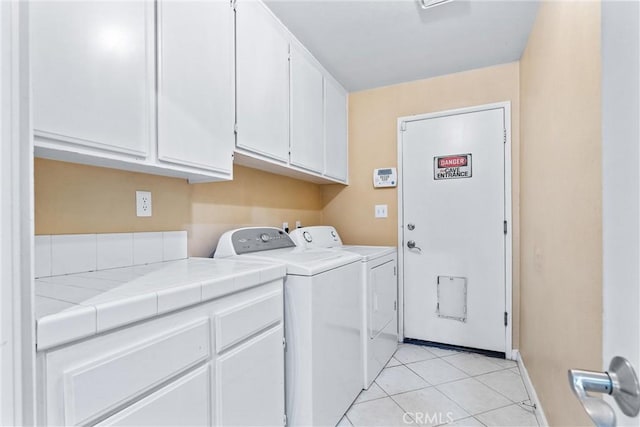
(372, 43)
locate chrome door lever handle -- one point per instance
(598, 410)
(412, 245)
(620, 381)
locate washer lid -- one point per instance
(368, 253)
(307, 262)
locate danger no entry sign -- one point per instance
(453, 166)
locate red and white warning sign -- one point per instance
(452, 167)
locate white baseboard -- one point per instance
(542, 419)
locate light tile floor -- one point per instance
(428, 386)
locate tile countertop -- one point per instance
(75, 306)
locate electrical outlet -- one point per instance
(143, 203)
(285, 226)
(380, 211)
(298, 224)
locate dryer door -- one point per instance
(382, 297)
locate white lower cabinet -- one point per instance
(244, 378)
(184, 402)
(170, 371)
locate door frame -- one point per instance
(506, 105)
(17, 325)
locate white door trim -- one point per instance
(508, 212)
(17, 345)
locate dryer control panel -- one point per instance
(256, 239)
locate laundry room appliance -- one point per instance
(323, 310)
(379, 289)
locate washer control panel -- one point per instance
(249, 240)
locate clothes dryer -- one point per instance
(379, 295)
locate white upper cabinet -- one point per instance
(262, 50)
(335, 132)
(307, 141)
(94, 85)
(288, 122)
(195, 84)
(92, 74)
(175, 87)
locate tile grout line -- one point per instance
(468, 376)
(444, 395)
(460, 379)
(513, 403)
(506, 406)
(462, 419)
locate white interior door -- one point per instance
(621, 187)
(453, 213)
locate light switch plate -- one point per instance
(381, 211)
(143, 203)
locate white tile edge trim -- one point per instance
(182, 255)
(542, 418)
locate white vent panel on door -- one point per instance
(452, 298)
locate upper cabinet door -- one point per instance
(307, 139)
(262, 81)
(195, 84)
(335, 131)
(92, 73)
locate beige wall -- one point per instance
(72, 198)
(373, 137)
(561, 218)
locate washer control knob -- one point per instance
(307, 236)
(265, 237)
(333, 234)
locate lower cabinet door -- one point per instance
(250, 382)
(185, 402)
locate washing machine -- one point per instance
(379, 295)
(323, 360)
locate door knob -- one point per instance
(412, 245)
(620, 381)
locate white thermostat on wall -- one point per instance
(385, 177)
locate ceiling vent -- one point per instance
(428, 4)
